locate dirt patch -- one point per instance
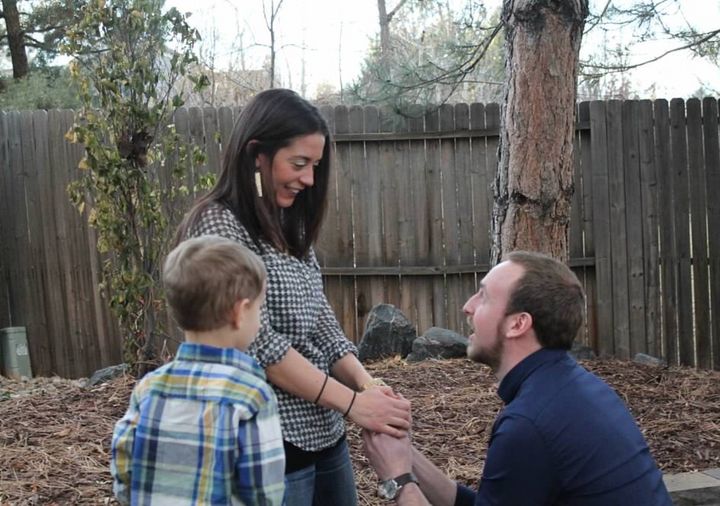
(55, 434)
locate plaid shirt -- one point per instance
(296, 314)
(203, 429)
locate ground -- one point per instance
(55, 434)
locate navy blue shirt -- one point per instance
(564, 438)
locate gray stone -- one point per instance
(697, 497)
(642, 358)
(438, 343)
(387, 333)
(105, 375)
(581, 352)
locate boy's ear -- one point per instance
(239, 312)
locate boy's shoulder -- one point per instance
(197, 381)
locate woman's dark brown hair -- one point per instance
(272, 120)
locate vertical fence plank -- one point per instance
(330, 239)
(450, 219)
(633, 220)
(492, 154)
(212, 140)
(481, 193)
(48, 263)
(618, 238)
(416, 234)
(576, 222)
(601, 227)
(374, 204)
(586, 202)
(712, 179)
(329, 234)
(392, 170)
(668, 248)
(434, 182)
(466, 233)
(698, 232)
(5, 224)
(366, 216)
(62, 212)
(678, 146)
(345, 249)
(648, 190)
(36, 317)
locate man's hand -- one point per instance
(379, 409)
(389, 456)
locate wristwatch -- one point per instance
(389, 489)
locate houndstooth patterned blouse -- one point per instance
(296, 314)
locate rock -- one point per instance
(438, 343)
(581, 352)
(387, 333)
(642, 358)
(105, 375)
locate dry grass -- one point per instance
(55, 434)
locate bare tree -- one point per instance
(534, 182)
(385, 18)
(271, 16)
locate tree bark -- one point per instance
(534, 184)
(15, 34)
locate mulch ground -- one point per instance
(55, 434)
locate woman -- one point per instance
(271, 196)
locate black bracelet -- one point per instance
(322, 389)
(351, 405)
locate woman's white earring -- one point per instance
(258, 183)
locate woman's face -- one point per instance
(293, 167)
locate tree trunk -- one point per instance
(534, 184)
(15, 34)
(384, 28)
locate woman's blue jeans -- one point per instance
(329, 482)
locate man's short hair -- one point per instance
(551, 293)
(205, 276)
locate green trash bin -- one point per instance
(15, 352)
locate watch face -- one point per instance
(388, 489)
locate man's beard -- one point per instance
(489, 356)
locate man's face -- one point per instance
(486, 313)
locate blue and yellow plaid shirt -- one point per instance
(203, 429)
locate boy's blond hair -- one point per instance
(205, 276)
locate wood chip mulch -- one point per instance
(55, 433)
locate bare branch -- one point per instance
(394, 11)
(622, 68)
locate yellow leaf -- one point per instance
(83, 165)
(81, 207)
(71, 136)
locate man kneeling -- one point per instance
(564, 436)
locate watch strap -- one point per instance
(406, 478)
(390, 489)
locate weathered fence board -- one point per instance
(410, 202)
(712, 179)
(698, 232)
(648, 190)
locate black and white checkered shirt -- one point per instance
(296, 314)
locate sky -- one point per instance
(334, 36)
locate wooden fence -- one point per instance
(408, 225)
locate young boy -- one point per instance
(204, 429)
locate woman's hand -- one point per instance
(379, 409)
